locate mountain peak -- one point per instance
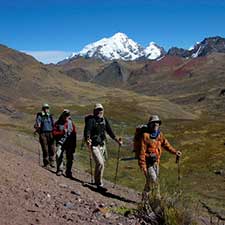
(153, 51)
(207, 46)
(120, 35)
(119, 46)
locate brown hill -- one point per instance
(82, 69)
(194, 83)
(28, 83)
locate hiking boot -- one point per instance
(59, 173)
(52, 164)
(69, 175)
(46, 166)
(45, 162)
(100, 188)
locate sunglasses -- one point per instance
(155, 122)
(99, 109)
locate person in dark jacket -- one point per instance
(65, 134)
(95, 136)
(43, 126)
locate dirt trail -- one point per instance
(30, 194)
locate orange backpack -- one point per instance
(137, 139)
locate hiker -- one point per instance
(95, 136)
(152, 142)
(44, 126)
(65, 135)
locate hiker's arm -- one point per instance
(87, 132)
(37, 125)
(38, 122)
(167, 146)
(142, 155)
(109, 130)
(111, 134)
(74, 128)
(75, 134)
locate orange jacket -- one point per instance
(149, 145)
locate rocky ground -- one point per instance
(30, 194)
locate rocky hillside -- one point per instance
(31, 194)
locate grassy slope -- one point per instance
(202, 145)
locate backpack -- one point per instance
(86, 120)
(37, 129)
(140, 129)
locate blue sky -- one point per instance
(53, 28)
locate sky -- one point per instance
(51, 30)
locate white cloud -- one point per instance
(48, 56)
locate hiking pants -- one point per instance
(69, 159)
(47, 144)
(152, 180)
(98, 156)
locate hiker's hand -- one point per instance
(144, 171)
(119, 141)
(89, 142)
(65, 131)
(178, 154)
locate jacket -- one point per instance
(155, 146)
(96, 129)
(60, 134)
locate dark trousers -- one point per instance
(69, 159)
(47, 144)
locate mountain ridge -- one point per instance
(121, 47)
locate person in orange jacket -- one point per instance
(152, 143)
(64, 132)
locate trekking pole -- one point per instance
(82, 145)
(117, 164)
(178, 167)
(90, 159)
(178, 174)
(39, 149)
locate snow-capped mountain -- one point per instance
(119, 46)
(153, 51)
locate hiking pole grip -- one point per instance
(177, 158)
